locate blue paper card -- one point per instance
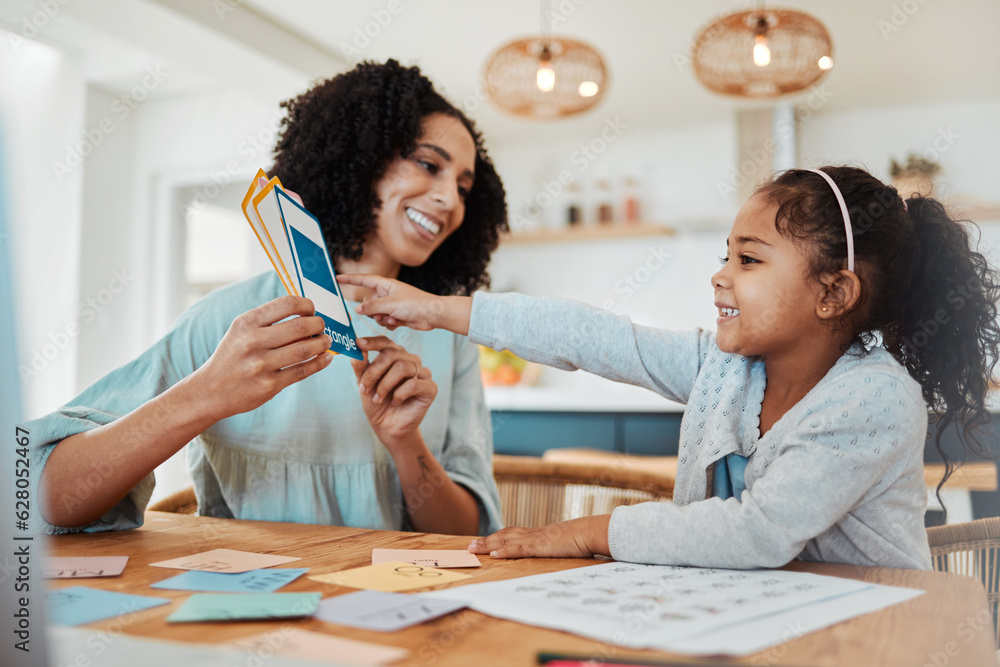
(266, 580)
(315, 275)
(78, 605)
(385, 612)
(244, 606)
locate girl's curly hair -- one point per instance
(335, 144)
(926, 295)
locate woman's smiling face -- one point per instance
(423, 195)
(764, 292)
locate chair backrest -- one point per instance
(973, 549)
(534, 492)
(181, 502)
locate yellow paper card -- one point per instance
(391, 577)
(262, 234)
(265, 205)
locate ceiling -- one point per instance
(886, 52)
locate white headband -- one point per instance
(847, 217)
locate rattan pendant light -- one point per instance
(762, 53)
(545, 77)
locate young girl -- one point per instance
(844, 313)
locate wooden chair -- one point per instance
(181, 502)
(973, 549)
(535, 492)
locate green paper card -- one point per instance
(245, 606)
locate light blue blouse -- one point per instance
(308, 455)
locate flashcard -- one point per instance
(225, 560)
(257, 225)
(78, 605)
(308, 645)
(254, 581)
(391, 576)
(427, 557)
(81, 567)
(315, 273)
(244, 606)
(384, 612)
(265, 205)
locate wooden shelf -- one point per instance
(588, 233)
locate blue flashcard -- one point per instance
(78, 604)
(267, 580)
(385, 612)
(316, 277)
(245, 606)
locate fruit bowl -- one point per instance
(505, 368)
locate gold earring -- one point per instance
(825, 309)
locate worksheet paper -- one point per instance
(679, 609)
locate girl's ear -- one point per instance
(839, 295)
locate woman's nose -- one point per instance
(446, 194)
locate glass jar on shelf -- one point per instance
(574, 205)
(631, 209)
(604, 205)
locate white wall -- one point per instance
(42, 96)
(681, 173)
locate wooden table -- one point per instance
(939, 627)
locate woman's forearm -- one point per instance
(88, 473)
(435, 503)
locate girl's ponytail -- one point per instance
(946, 327)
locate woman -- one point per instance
(403, 188)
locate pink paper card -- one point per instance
(308, 645)
(81, 567)
(225, 560)
(427, 557)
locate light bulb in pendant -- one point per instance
(761, 53)
(545, 79)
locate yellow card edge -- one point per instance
(257, 199)
(272, 257)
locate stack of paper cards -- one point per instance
(427, 557)
(78, 605)
(230, 561)
(81, 567)
(306, 645)
(254, 581)
(293, 240)
(391, 576)
(244, 606)
(384, 612)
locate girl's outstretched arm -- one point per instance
(397, 304)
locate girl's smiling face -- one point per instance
(423, 195)
(766, 297)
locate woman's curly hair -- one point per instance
(335, 144)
